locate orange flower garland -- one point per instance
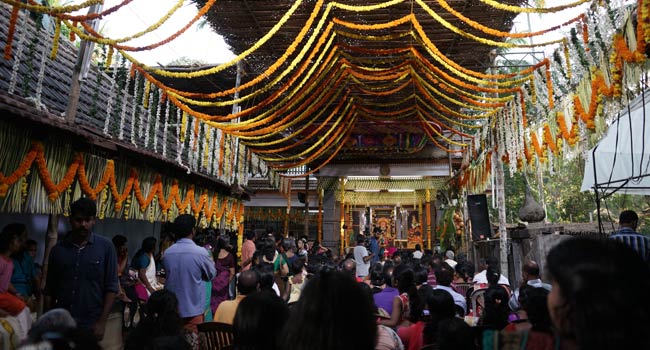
(536, 146)
(12, 30)
(549, 86)
(570, 136)
(36, 155)
(548, 139)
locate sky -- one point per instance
(206, 46)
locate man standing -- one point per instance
(361, 257)
(248, 250)
(188, 267)
(82, 273)
(374, 246)
(530, 276)
(628, 221)
(247, 283)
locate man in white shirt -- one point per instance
(417, 254)
(450, 259)
(444, 277)
(530, 276)
(481, 277)
(361, 257)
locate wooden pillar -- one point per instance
(51, 237)
(501, 203)
(240, 230)
(80, 68)
(428, 221)
(286, 215)
(306, 229)
(321, 193)
(342, 217)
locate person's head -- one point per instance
(530, 271)
(55, 320)
(184, 226)
(440, 305)
(397, 258)
(82, 216)
(296, 267)
(444, 274)
(465, 271)
(159, 318)
(349, 267)
(119, 242)
(599, 294)
(288, 244)
(421, 274)
(628, 218)
(250, 235)
(258, 322)
(148, 246)
(388, 274)
(377, 275)
(248, 282)
(10, 238)
(32, 247)
(534, 301)
(492, 275)
(266, 247)
(361, 239)
(495, 312)
(161, 309)
(455, 334)
(220, 243)
(418, 247)
(450, 255)
(492, 261)
(404, 278)
(333, 312)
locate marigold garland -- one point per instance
(518, 9)
(12, 30)
(76, 170)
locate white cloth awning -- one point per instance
(621, 159)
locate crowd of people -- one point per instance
(292, 293)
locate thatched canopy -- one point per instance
(389, 126)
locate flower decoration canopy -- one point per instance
(354, 81)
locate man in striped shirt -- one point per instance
(627, 234)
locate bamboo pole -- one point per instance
(428, 209)
(320, 214)
(342, 217)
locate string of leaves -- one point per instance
(582, 56)
(153, 110)
(120, 78)
(101, 66)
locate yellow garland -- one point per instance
(52, 10)
(55, 39)
(518, 9)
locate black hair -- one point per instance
(296, 267)
(496, 310)
(84, 207)
(388, 274)
(441, 306)
(10, 233)
(444, 274)
(119, 241)
(455, 334)
(160, 318)
(266, 248)
(266, 275)
(465, 270)
(248, 282)
(533, 300)
(148, 246)
(31, 243)
(258, 321)
(492, 275)
(325, 317)
(604, 286)
(492, 261)
(418, 247)
(421, 274)
(531, 269)
(377, 274)
(418, 305)
(250, 234)
(628, 217)
(184, 225)
(288, 244)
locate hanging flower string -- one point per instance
(77, 170)
(12, 29)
